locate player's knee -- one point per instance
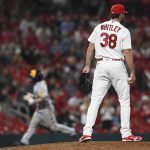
(96, 99)
(125, 102)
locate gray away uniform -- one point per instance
(44, 114)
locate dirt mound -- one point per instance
(86, 146)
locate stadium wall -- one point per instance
(9, 139)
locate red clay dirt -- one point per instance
(86, 146)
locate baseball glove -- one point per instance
(85, 82)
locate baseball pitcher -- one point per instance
(45, 113)
(112, 44)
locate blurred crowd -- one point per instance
(52, 35)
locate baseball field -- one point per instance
(86, 146)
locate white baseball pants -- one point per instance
(109, 72)
(47, 117)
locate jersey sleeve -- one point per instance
(92, 37)
(127, 41)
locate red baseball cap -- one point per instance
(118, 9)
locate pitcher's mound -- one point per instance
(86, 146)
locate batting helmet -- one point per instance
(36, 75)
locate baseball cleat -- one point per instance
(85, 138)
(132, 138)
(18, 143)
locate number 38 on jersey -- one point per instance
(108, 40)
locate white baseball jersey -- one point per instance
(40, 90)
(110, 38)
